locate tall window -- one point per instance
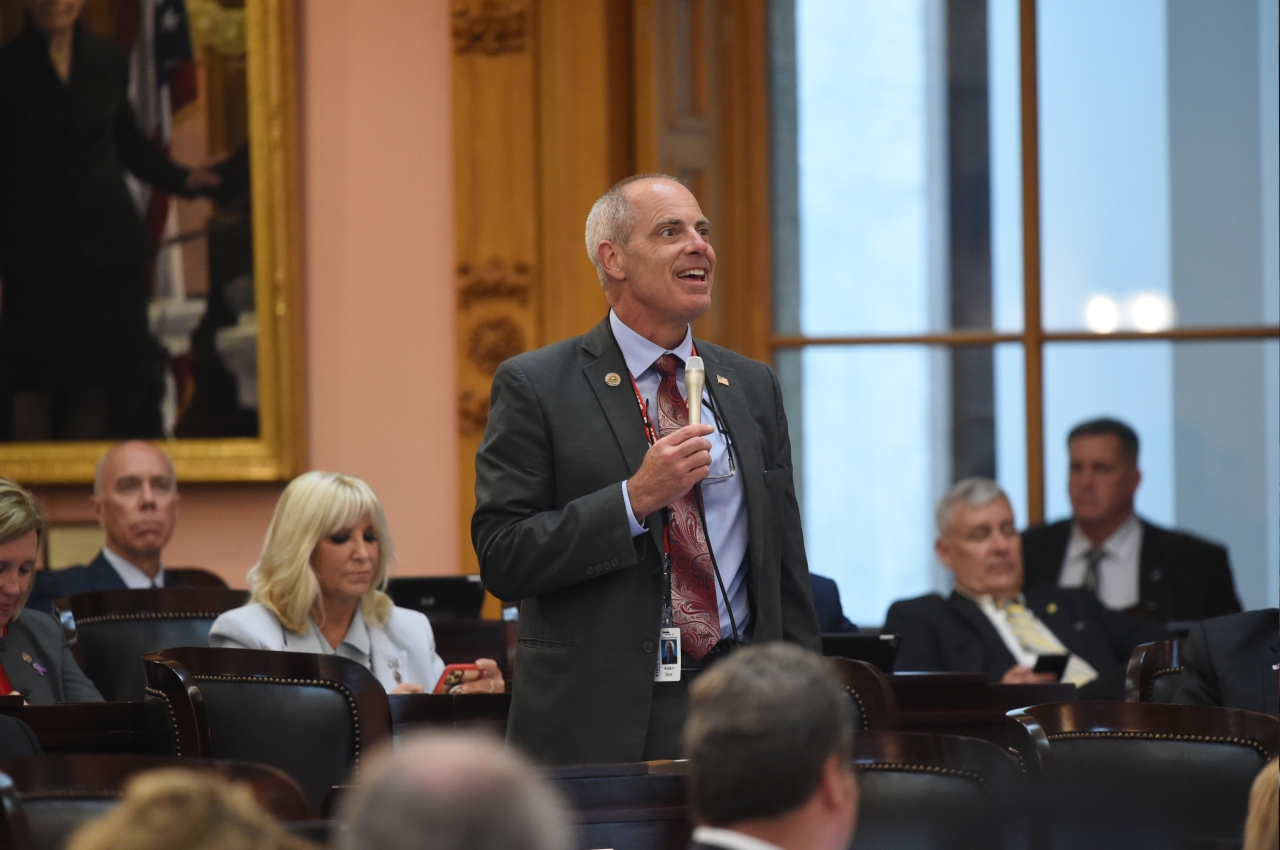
(900, 330)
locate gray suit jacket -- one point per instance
(35, 638)
(550, 528)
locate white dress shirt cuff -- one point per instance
(636, 528)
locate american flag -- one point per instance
(162, 80)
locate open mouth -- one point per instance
(693, 274)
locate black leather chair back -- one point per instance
(872, 704)
(308, 731)
(1143, 774)
(52, 820)
(1154, 672)
(934, 792)
(312, 716)
(115, 628)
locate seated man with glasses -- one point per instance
(991, 624)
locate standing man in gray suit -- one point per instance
(617, 523)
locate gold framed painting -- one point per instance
(194, 340)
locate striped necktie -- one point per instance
(1035, 637)
(1092, 558)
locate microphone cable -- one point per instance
(702, 513)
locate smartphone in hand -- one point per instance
(1055, 664)
(454, 676)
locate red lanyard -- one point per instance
(650, 432)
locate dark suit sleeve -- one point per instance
(526, 543)
(76, 686)
(918, 651)
(799, 622)
(1123, 631)
(141, 157)
(1220, 590)
(1199, 683)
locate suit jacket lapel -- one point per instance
(618, 402)
(732, 407)
(972, 614)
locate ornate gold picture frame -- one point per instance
(279, 450)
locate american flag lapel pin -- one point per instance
(721, 379)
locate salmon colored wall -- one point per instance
(378, 244)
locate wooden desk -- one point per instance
(966, 703)
(472, 712)
(638, 806)
(84, 727)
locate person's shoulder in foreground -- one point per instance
(1232, 661)
(252, 626)
(452, 791)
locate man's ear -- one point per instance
(97, 501)
(610, 257)
(943, 550)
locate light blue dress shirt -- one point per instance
(724, 500)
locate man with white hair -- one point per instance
(135, 500)
(619, 524)
(991, 624)
(446, 791)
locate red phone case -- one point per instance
(454, 675)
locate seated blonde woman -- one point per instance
(318, 588)
(35, 660)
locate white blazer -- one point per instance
(405, 645)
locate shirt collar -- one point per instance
(1079, 543)
(357, 636)
(986, 600)
(132, 576)
(640, 352)
(729, 839)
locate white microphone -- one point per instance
(695, 378)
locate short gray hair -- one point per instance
(612, 219)
(974, 491)
(762, 726)
(451, 791)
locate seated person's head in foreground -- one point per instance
(1262, 830)
(304, 559)
(452, 792)
(174, 809)
(21, 533)
(978, 540)
(770, 741)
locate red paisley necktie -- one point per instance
(693, 582)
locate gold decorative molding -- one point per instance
(493, 341)
(489, 27)
(473, 413)
(494, 281)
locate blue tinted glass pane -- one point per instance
(866, 263)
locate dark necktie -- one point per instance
(1092, 558)
(693, 581)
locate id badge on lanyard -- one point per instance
(668, 636)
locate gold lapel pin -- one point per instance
(26, 658)
(613, 379)
(722, 379)
(1052, 608)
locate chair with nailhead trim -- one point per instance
(1154, 672)
(934, 792)
(1142, 774)
(55, 795)
(313, 716)
(873, 705)
(111, 630)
